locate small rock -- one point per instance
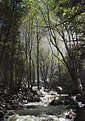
(15, 106)
(2, 114)
(36, 99)
(68, 117)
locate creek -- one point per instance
(41, 111)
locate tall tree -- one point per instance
(65, 21)
(10, 20)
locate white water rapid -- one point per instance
(45, 99)
(37, 118)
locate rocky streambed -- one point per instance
(40, 113)
(43, 106)
(36, 113)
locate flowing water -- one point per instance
(41, 111)
(37, 118)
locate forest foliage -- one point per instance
(42, 42)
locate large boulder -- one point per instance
(56, 102)
(81, 97)
(80, 114)
(63, 100)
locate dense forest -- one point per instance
(42, 44)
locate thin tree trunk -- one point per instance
(26, 52)
(38, 58)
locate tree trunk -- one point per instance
(38, 58)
